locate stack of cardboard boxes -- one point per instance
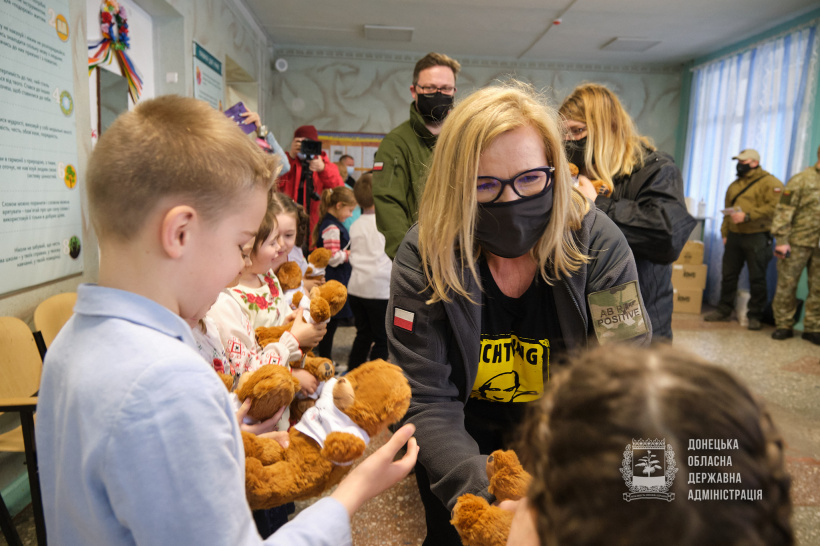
(689, 278)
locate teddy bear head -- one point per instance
(374, 395)
(319, 258)
(327, 300)
(269, 388)
(289, 275)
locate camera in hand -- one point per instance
(311, 148)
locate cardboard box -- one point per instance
(689, 276)
(692, 253)
(687, 301)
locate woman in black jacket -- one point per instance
(507, 270)
(647, 201)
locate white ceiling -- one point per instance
(524, 29)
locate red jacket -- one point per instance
(329, 178)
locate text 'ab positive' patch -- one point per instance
(617, 313)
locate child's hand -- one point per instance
(308, 335)
(310, 284)
(523, 531)
(339, 257)
(268, 425)
(280, 436)
(308, 384)
(379, 471)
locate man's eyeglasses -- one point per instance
(432, 89)
(524, 184)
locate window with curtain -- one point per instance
(762, 98)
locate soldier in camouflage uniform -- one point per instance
(796, 226)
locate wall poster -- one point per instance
(360, 146)
(41, 227)
(209, 83)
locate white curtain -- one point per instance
(761, 98)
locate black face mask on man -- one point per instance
(510, 229)
(575, 151)
(434, 107)
(742, 168)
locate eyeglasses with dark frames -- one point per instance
(524, 184)
(432, 89)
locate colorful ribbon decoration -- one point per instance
(114, 26)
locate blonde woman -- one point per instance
(494, 285)
(647, 201)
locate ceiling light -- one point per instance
(389, 34)
(629, 44)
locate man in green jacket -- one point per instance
(747, 221)
(400, 164)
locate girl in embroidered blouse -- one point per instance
(256, 301)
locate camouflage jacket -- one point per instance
(797, 216)
(758, 202)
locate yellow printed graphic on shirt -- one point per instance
(511, 369)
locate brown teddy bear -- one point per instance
(478, 522)
(601, 186)
(318, 260)
(325, 301)
(269, 388)
(329, 437)
(290, 279)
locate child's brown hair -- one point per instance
(330, 198)
(283, 204)
(268, 224)
(171, 147)
(363, 190)
(574, 445)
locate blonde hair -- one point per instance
(435, 59)
(171, 146)
(574, 439)
(614, 147)
(330, 198)
(448, 205)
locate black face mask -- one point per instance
(575, 151)
(512, 228)
(742, 168)
(434, 107)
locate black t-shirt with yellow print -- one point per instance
(519, 339)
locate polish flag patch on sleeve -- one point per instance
(403, 319)
(379, 166)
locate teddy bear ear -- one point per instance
(343, 395)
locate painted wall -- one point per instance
(218, 25)
(370, 92)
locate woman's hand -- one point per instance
(307, 383)
(268, 425)
(308, 335)
(586, 188)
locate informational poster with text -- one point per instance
(41, 228)
(209, 83)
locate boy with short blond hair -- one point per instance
(136, 435)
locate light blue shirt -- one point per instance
(137, 441)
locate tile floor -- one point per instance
(785, 373)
